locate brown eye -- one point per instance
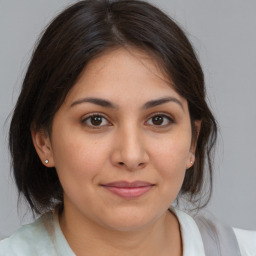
(160, 120)
(157, 120)
(95, 121)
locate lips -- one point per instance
(128, 190)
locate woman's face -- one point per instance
(121, 142)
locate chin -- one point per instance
(128, 226)
(129, 220)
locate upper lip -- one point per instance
(126, 184)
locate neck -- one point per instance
(161, 237)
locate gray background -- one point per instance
(224, 35)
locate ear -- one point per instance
(197, 127)
(195, 135)
(43, 146)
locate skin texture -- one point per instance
(127, 144)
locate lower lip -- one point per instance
(129, 193)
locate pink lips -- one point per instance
(128, 190)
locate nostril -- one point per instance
(139, 165)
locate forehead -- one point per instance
(123, 73)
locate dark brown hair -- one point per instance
(76, 36)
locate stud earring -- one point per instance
(46, 161)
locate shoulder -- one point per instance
(246, 241)
(31, 239)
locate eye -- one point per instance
(95, 121)
(160, 120)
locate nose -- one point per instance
(129, 151)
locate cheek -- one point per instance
(170, 160)
(78, 155)
(172, 152)
(79, 160)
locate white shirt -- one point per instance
(45, 238)
(193, 243)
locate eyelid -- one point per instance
(87, 116)
(164, 114)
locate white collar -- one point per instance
(191, 237)
(61, 245)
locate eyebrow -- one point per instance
(96, 101)
(108, 104)
(157, 102)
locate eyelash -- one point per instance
(170, 120)
(88, 117)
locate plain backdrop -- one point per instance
(224, 36)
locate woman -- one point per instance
(112, 127)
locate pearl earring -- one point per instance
(46, 161)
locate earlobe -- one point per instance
(190, 160)
(43, 147)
